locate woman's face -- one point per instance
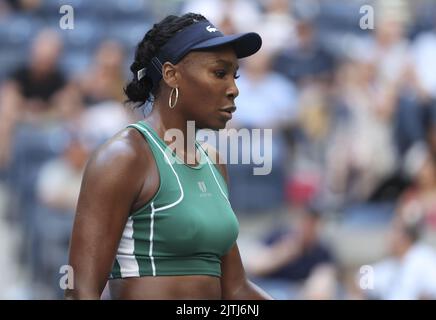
(207, 88)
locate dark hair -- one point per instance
(141, 91)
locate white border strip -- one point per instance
(128, 267)
(150, 252)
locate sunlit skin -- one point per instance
(206, 84)
(122, 176)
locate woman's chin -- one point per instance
(218, 125)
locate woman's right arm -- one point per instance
(112, 181)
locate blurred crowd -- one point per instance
(353, 114)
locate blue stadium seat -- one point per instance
(10, 59)
(82, 8)
(86, 35)
(16, 34)
(340, 15)
(18, 30)
(138, 10)
(128, 33)
(75, 62)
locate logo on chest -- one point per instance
(203, 189)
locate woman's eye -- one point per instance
(220, 73)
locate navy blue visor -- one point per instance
(202, 35)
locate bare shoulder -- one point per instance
(126, 147)
(120, 159)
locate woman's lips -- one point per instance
(226, 114)
(227, 111)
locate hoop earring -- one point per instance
(170, 102)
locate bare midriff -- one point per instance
(166, 288)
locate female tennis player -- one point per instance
(152, 224)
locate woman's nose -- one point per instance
(233, 91)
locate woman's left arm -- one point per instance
(234, 283)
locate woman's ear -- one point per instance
(170, 74)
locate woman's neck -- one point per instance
(175, 130)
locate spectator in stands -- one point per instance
(104, 79)
(363, 130)
(295, 262)
(57, 188)
(306, 58)
(30, 90)
(410, 270)
(277, 25)
(22, 5)
(259, 87)
(420, 197)
(216, 10)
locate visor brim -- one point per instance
(245, 44)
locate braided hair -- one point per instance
(142, 91)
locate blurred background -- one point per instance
(349, 208)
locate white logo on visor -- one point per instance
(210, 29)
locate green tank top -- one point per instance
(186, 227)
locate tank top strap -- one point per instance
(170, 153)
(155, 143)
(170, 183)
(158, 140)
